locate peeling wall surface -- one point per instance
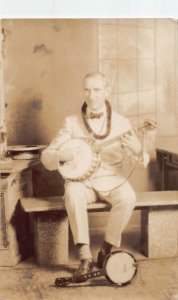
(44, 65)
(45, 62)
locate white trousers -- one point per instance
(77, 195)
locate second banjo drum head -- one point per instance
(120, 267)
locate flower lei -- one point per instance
(88, 127)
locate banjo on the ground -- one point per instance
(120, 268)
(86, 154)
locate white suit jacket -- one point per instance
(109, 169)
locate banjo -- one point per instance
(86, 154)
(120, 268)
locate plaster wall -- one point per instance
(45, 60)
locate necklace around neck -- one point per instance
(108, 120)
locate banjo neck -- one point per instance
(63, 281)
(147, 125)
(113, 140)
(89, 275)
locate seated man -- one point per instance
(98, 122)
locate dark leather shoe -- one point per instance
(101, 258)
(86, 266)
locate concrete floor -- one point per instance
(156, 279)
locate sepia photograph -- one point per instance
(89, 158)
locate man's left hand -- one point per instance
(132, 142)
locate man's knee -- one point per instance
(72, 188)
(131, 198)
(126, 198)
(73, 194)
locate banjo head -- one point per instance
(120, 267)
(84, 161)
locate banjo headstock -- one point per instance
(63, 281)
(148, 131)
(147, 125)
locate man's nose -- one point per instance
(91, 94)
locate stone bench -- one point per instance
(159, 223)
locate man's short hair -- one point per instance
(98, 74)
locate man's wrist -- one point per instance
(140, 155)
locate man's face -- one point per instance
(95, 92)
